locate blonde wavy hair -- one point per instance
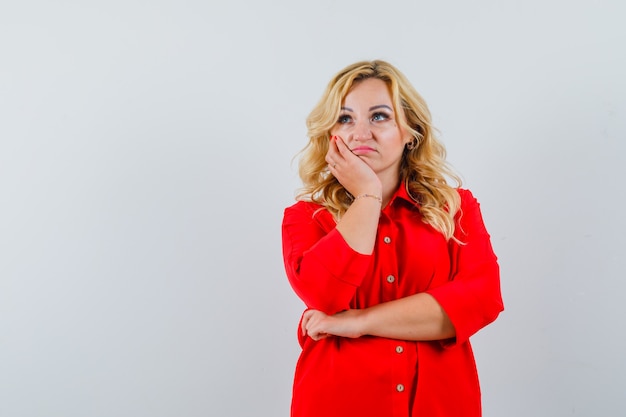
(423, 169)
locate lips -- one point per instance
(362, 149)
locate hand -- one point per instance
(318, 325)
(351, 171)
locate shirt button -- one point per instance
(390, 279)
(387, 239)
(399, 349)
(399, 387)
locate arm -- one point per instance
(323, 270)
(359, 223)
(417, 317)
(451, 312)
(325, 263)
(472, 298)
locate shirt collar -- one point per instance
(402, 194)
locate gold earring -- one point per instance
(411, 145)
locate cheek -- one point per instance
(387, 131)
(392, 137)
(338, 130)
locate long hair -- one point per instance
(423, 169)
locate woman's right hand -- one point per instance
(359, 223)
(351, 171)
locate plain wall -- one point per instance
(146, 158)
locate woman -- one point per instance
(394, 264)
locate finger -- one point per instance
(306, 317)
(319, 336)
(313, 329)
(315, 334)
(309, 320)
(342, 147)
(333, 153)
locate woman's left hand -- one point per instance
(318, 325)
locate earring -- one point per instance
(411, 145)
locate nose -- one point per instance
(361, 130)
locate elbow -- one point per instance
(318, 299)
(447, 331)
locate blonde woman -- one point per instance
(394, 264)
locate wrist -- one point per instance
(372, 196)
(368, 187)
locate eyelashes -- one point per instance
(378, 116)
(344, 119)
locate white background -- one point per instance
(146, 157)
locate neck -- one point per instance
(390, 184)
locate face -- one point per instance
(367, 123)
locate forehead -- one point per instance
(369, 91)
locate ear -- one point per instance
(412, 144)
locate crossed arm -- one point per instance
(417, 317)
(470, 301)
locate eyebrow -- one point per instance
(380, 106)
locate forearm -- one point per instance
(322, 268)
(359, 224)
(417, 317)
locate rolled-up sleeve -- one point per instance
(322, 268)
(472, 298)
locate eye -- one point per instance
(380, 116)
(344, 118)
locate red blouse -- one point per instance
(375, 376)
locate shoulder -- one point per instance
(469, 216)
(468, 205)
(303, 207)
(467, 198)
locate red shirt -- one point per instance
(380, 377)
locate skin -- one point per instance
(364, 155)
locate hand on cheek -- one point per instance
(350, 170)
